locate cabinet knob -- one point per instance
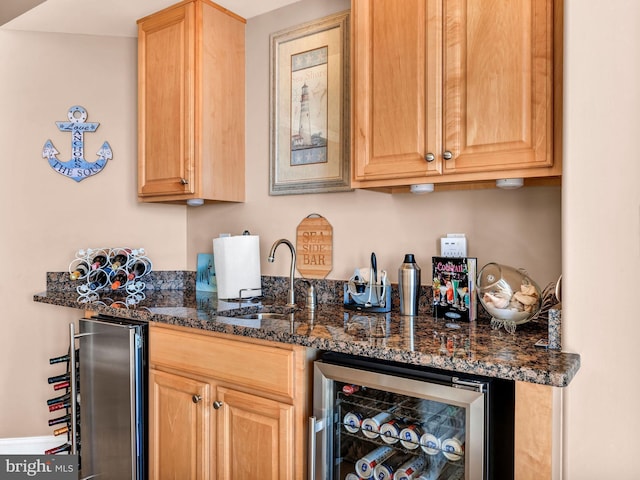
(184, 181)
(217, 404)
(447, 155)
(196, 398)
(429, 157)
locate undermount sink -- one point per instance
(265, 315)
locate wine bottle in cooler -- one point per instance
(371, 425)
(390, 431)
(63, 419)
(60, 398)
(352, 476)
(352, 421)
(61, 430)
(367, 464)
(65, 447)
(387, 469)
(453, 444)
(410, 469)
(434, 429)
(64, 377)
(410, 436)
(62, 358)
(350, 389)
(59, 406)
(61, 385)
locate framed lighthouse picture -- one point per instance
(309, 117)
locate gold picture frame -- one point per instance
(309, 108)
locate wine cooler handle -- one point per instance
(311, 455)
(73, 383)
(315, 426)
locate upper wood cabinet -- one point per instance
(191, 107)
(455, 91)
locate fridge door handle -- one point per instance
(315, 426)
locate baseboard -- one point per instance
(28, 445)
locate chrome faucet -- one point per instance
(291, 299)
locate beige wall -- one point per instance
(601, 237)
(46, 217)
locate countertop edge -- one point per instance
(461, 365)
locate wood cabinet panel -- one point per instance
(538, 435)
(191, 74)
(498, 77)
(390, 89)
(230, 360)
(254, 437)
(166, 102)
(179, 434)
(252, 416)
(456, 91)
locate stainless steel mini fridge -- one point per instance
(112, 398)
(384, 420)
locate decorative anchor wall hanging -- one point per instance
(77, 168)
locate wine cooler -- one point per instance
(107, 359)
(383, 420)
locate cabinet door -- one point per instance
(396, 66)
(498, 85)
(179, 427)
(166, 70)
(255, 437)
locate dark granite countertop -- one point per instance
(473, 348)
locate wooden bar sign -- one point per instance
(314, 246)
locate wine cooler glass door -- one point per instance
(372, 425)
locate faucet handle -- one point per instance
(312, 298)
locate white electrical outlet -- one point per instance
(453, 245)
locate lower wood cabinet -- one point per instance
(179, 431)
(221, 408)
(255, 437)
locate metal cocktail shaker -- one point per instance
(409, 285)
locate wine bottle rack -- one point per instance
(64, 424)
(110, 270)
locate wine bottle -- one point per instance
(61, 385)
(98, 261)
(63, 419)
(59, 399)
(119, 280)
(138, 269)
(65, 447)
(64, 377)
(61, 430)
(62, 358)
(98, 279)
(119, 261)
(59, 406)
(59, 378)
(80, 270)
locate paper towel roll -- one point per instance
(237, 263)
